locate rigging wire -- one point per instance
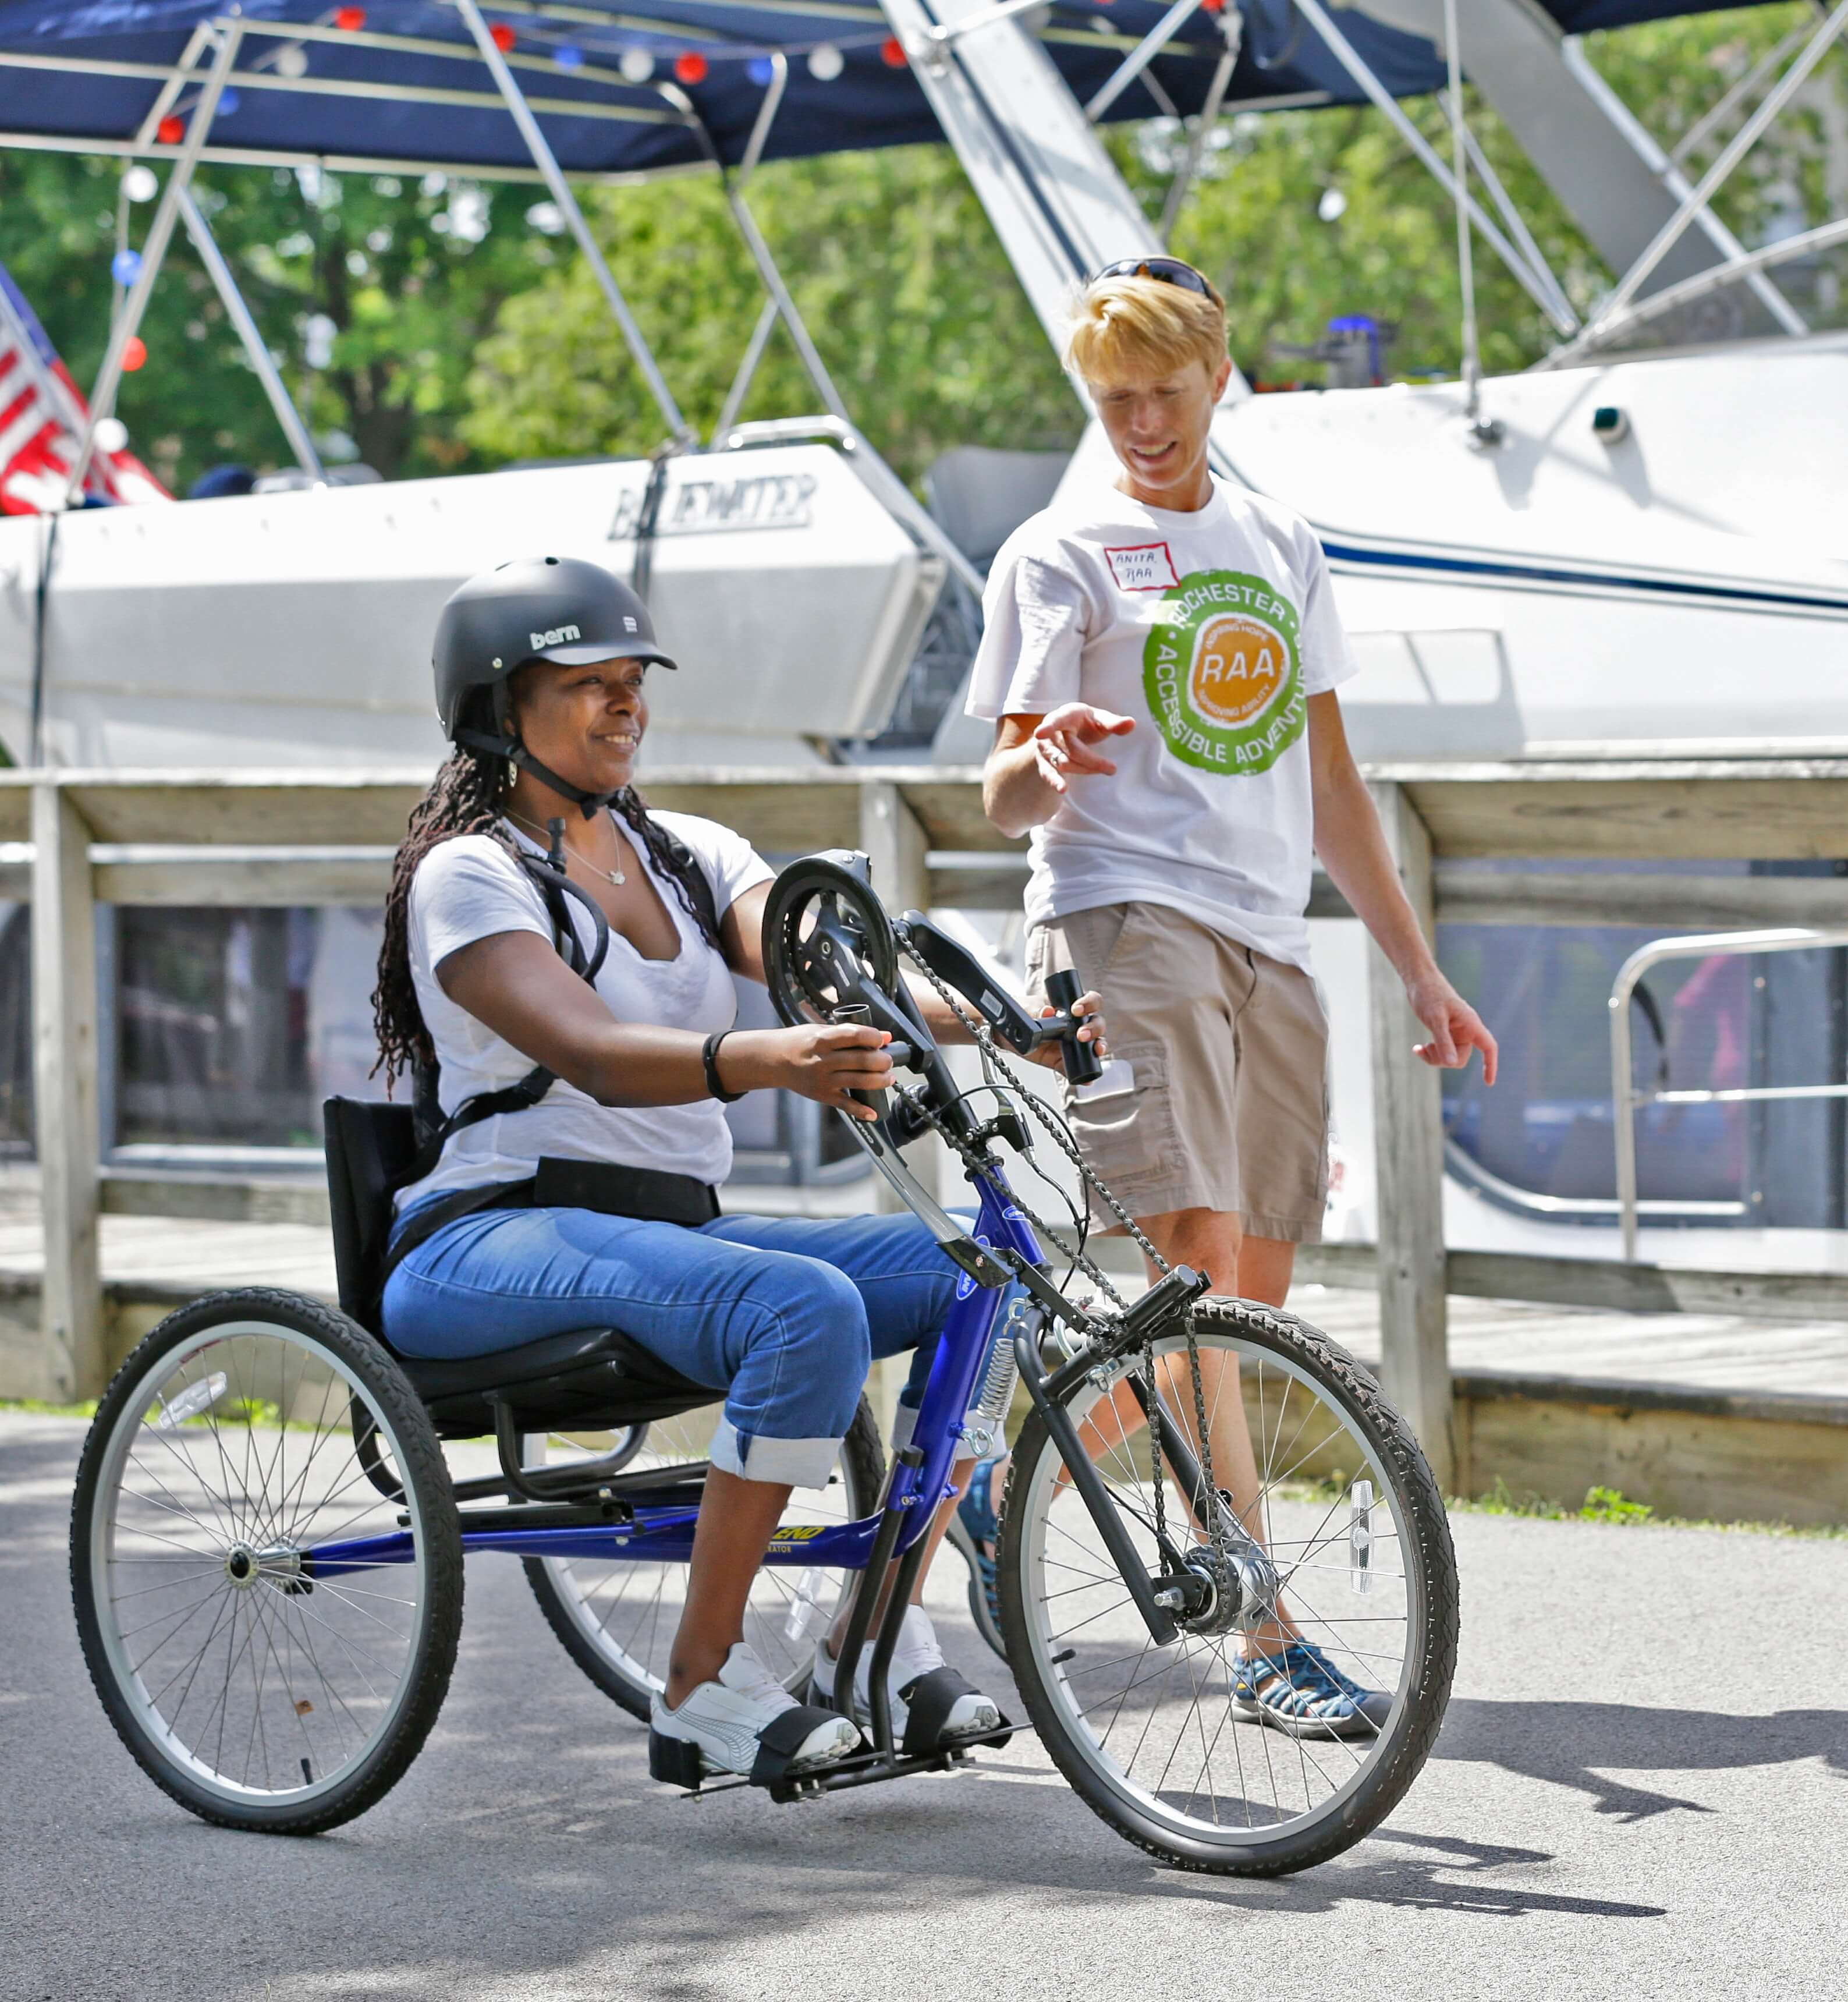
(1460, 173)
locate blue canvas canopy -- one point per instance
(404, 85)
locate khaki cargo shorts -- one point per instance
(1228, 1052)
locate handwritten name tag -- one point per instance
(1147, 567)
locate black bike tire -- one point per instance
(1429, 1543)
(861, 1449)
(433, 1657)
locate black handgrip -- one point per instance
(1083, 1065)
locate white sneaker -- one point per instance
(919, 1675)
(727, 1720)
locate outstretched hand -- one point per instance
(1456, 1027)
(1063, 740)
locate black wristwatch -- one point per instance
(709, 1056)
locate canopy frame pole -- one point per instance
(547, 163)
(768, 269)
(1516, 223)
(741, 381)
(1710, 120)
(1735, 150)
(1350, 60)
(1460, 172)
(167, 95)
(1140, 57)
(255, 349)
(160, 234)
(1631, 130)
(1182, 184)
(1823, 237)
(768, 317)
(944, 32)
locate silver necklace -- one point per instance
(617, 877)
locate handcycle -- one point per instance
(267, 1540)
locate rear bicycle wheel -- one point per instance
(1164, 1742)
(617, 1619)
(259, 1684)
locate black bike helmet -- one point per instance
(535, 608)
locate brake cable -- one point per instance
(1080, 1261)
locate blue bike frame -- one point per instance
(665, 1535)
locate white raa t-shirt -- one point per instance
(1211, 630)
(471, 888)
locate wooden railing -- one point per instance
(318, 837)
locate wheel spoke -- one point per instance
(1165, 1727)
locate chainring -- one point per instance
(826, 937)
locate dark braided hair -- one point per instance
(673, 860)
(469, 795)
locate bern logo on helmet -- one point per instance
(555, 636)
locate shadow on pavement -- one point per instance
(1578, 1744)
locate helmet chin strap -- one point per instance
(507, 745)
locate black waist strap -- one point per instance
(605, 1186)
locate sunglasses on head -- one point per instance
(1168, 270)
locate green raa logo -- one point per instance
(1222, 673)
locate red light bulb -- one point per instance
(690, 68)
(891, 53)
(134, 352)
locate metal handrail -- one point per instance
(1625, 1100)
(885, 484)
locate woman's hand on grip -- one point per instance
(825, 1062)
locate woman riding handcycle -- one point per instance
(266, 1542)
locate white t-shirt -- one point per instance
(471, 888)
(1211, 630)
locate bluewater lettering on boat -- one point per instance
(711, 506)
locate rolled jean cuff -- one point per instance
(799, 1463)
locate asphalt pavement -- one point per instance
(1641, 1791)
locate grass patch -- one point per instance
(1611, 1506)
(37, 1407)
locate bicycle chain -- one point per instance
(977, 1164)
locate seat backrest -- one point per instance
(370, 1144)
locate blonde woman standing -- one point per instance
(1160, 661)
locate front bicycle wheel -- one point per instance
(1168, 1744)
(617, 1619)
(263, 1681)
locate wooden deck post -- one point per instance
(64, 1010)
(1408, 1141)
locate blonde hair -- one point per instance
(1143, 324)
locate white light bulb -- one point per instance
(112, 434)
(636, 65)
(141, 183)
(291, 61)
(1332, 206)
(826, 63)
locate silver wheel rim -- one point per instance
(628, 1611)
(1157, 1728)
(236, 1663)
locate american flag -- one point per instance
(42, 417)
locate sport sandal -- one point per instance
(933, 1707)
(743, 1721)
(1297, 1690)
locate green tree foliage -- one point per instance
(408, 273)
(914, 308)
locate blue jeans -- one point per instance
(783, 1314)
